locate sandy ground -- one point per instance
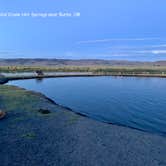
(63, 138)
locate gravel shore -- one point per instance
(59, 137)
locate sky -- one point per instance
(107, 29)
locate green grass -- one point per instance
(16, 99)
(30, 135)
(18, 96)
(72, 120)
(94, 69)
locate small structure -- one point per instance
(39, 73)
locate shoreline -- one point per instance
(163, 134)
(65, 138)
(33, 76)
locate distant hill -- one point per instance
(82, 62)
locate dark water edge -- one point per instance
(157, 128)
(163, 134)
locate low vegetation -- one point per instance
(119, 70)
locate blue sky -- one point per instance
(107, 29)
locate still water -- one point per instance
(129, 101)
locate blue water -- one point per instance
(129, 101)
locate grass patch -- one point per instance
(30, 135)
(72, 119)
(95, 69)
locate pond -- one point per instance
(129, 101)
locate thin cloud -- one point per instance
(115, 39)
(120, 55)
(5, 52)
(137, 52)
(159, 51)
(158, 46)
(10, 54)
(152, 51)
(128, 47)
